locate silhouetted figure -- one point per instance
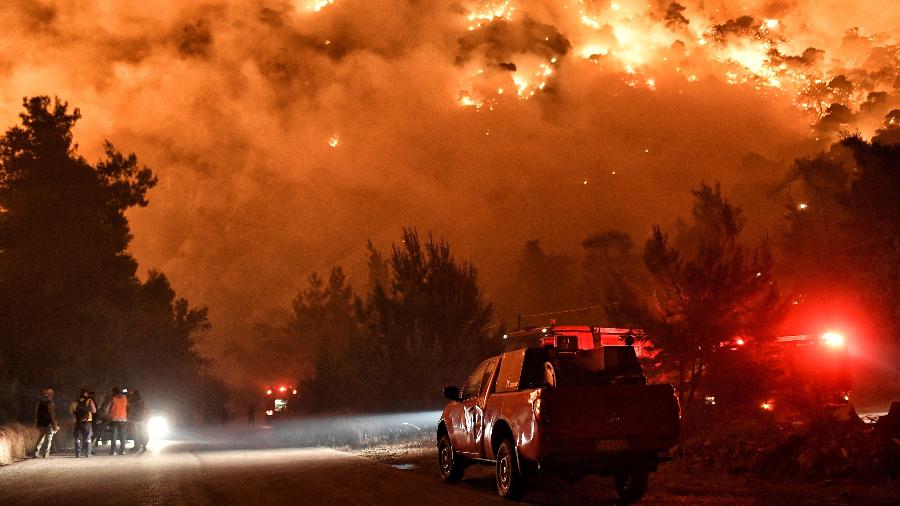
(117, 414)
(137, 415)
(251, 415)
(45, 421)
(83, 408)
(99, 421)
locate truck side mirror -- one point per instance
(451, 393)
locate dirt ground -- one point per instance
(672, 484)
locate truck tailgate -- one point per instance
(614, 417)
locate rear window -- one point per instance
(610, 364)
(539, 367)
(622, 360)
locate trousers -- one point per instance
(117, 431)
(83, 433)
(45, 436)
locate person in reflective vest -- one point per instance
(117, 414)
(83, 408)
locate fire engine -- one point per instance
(280, 402)
(807, 370)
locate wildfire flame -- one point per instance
(318, 5)
(637, 40)
(487, 12)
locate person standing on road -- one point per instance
(97, 422)
(45, 421)
(117, 415)
(251, 414)
(84, 409)
(137, 415)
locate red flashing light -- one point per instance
(834, 339)
(281, 389)
(739, 342)
(269, 392)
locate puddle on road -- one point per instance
(404, 466)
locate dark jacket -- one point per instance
(137, 411)
(45, 414)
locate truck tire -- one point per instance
(510, 484)
(451, 468)
(631, 485)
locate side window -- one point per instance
(473, 385)
(489, 368)
(510, 371)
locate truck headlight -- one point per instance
(157, 427)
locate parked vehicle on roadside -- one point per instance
(556, 408)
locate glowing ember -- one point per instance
(333, 141)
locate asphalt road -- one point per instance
(251, 467)
(221, 472)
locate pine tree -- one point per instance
(73, 308)
(711, 294)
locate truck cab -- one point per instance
(554, 407)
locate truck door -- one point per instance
(473, 399)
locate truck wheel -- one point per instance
(451, 468)
(510, 484)
(631, 485)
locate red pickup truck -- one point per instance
(573, 413)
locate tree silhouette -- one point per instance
(842, 245)
(407, 340)
(68, 285)
(711, 294)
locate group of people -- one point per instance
(114, 414)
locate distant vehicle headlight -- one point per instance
(157, 427)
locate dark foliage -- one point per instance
(841, 245)
(73, 310)
(710, 293)
(396, 349)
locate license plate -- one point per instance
(611, 445)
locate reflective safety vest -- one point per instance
(118, 409)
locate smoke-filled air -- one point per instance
(286, 133)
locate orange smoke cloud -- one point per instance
(285, 133)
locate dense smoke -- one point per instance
(286, 133)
